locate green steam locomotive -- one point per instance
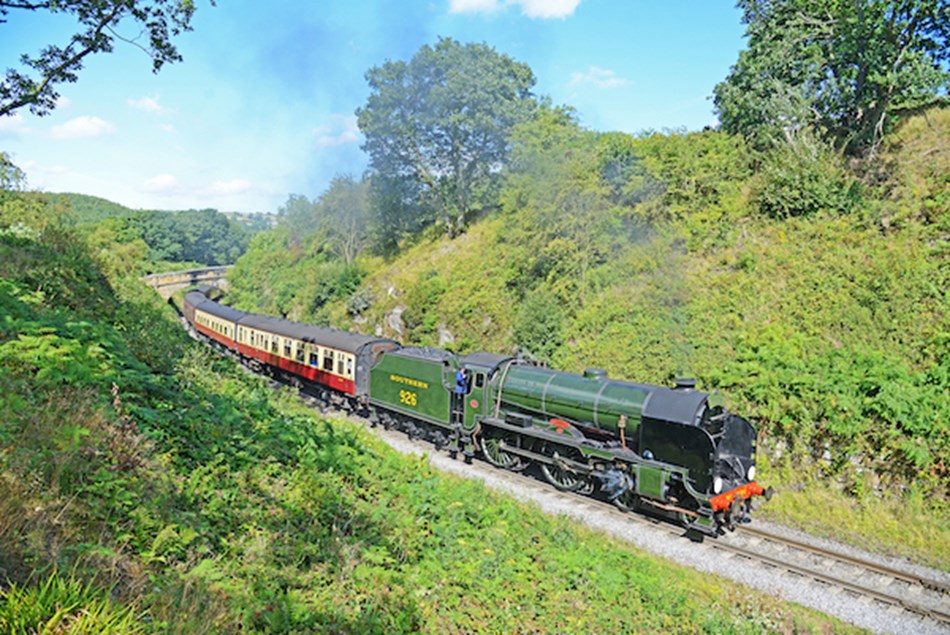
(671, 450)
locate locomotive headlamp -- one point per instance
(717, 485)
(751, 473)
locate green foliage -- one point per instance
(539, 326)
(291, 276)
(803, 177)
(862, 404)
(915, 184)
(21, 209)
(206, 503)
(87, 210)
(699, 175)
(206, 236)
(437, 126)
(341, 217)
(561, 202)
(401, 213)
(422, 317)
(847, 67)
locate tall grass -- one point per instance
(62, 605)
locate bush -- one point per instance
(539, 329)
(805, 176)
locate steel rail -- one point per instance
(912, 578)
(838, 581)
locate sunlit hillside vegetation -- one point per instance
(149, 486)
(811, 291)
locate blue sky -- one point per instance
(262, 105)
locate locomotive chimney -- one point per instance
(682, 383)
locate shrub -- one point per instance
(539, 329)
(805, 176)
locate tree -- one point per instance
(12, 178)
(400, 211)
(299, 217)
(849, 67)
(560, 202)
(442, 121)
(345, 210)
(21, 207)
(35, 88)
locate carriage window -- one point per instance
(349, 367)
(273, 345)
(328, 361)
(300, 352)
(287, 348)
(339, 364)
(314, 359)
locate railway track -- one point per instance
(858, 576)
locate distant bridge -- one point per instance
(168, 283)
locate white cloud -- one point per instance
(474, 6)
(228, 188)
(599, 77)
(147, 104)
(547, 9)
(543, 9)
(169, 128)
(13, 125)
(341, 130)
(161, 184)
(63, 102)
(85, 126)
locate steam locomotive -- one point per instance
(671, 450)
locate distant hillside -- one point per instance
(90, 210)
(87, 210)
(179, 238)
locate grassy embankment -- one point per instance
(828, 329)
(147, 485)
